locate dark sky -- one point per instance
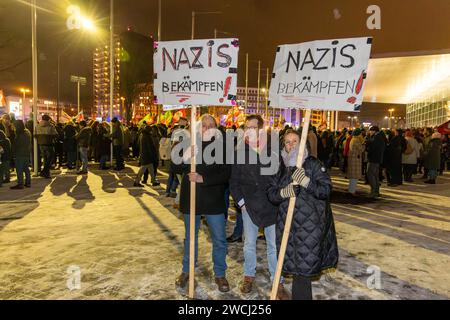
(261, 25)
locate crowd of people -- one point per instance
(261, 201)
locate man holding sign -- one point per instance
(325, 75)
(191, 73)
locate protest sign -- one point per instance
(200, 72)
(324, 75)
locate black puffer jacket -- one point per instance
(312, 246)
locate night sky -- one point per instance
(261, 25)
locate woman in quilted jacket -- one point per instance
(312, 246)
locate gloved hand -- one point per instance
(299, 176)
(290, 191)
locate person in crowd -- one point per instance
(346, 148)
(70, 145)
(83, 139)
(59, 146)
(312, 248)
(248, 188)
(154, 134)
(126, 142)
(210, 180)
(147, 157)
(134, 140)
(104, 145)
(45, 134)
(410, 156)
(5, 157)
(22, 151)
(427, 133)
(93, 142)
(418, 137)
(375, 152)
(394, 151)
(117, 140)
(432, 160)
(355, 154)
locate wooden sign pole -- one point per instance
(192, 204)
(290, 213)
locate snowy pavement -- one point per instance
(128, 242)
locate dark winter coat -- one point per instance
(394, 151)
(46, 133)
(248, 184)
(210, 195)
(84, 137)
(22, 148)
(70, 144)
(148, 152)
(103, 142)
(6, 145)
(312, 246)
(432, 158)
(375, 148)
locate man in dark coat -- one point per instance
(248, 187)
(210, 180)
(432, 159)
(394, 151)
(312, 245)
(45, 134)
(22, 151)
(83, 138)
(147, 157)
(70, 145)
(375, 150)
(5, 157)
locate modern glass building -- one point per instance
(427, 114)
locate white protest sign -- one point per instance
(200, 72)
(325, 75)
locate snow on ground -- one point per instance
(128, 243)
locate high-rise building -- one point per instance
(133, 66)
(102, 79)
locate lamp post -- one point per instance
(24, 92)
(80, 81)
(391, 111)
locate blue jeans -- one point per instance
(239, 227)
(103, 159)
(216, 224)
(84, 158)
(23, 166)
(432, 173)
(251, 236)
(172, 183)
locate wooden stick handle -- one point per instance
(192, 205)
(290, 213)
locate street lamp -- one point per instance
(24, 92)
(75, 21)
(80, 81)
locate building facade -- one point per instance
(428, 114)
(101, 81)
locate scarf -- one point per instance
(290, 159)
